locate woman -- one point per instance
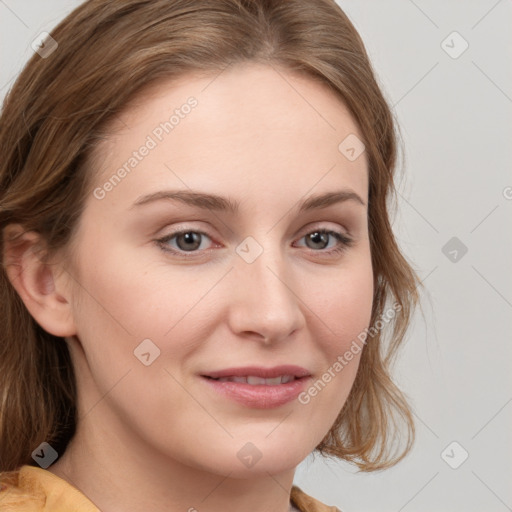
(138, 373)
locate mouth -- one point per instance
(260, 375)
(269, 388)
(254, 380)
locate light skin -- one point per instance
(156, 437)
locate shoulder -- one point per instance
(306, 503)
(15, 496)
(33, 489)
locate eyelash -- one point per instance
(344, 242)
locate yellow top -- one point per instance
(33, 489)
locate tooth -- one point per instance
(238, 379)
(255, 380)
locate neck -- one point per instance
(119, 473)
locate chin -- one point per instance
(262, 468)
(245, 459)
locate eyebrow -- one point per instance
(224, 204)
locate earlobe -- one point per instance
(41, 285)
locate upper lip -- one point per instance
(259, 371)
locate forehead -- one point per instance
(252, 129)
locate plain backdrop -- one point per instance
(444, 67)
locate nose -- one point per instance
(267, 302)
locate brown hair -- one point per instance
(58, 110)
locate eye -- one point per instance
(189, 241)
(319, 237)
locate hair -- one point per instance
(59, 109)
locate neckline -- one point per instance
(65, 496)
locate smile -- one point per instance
(258, 381)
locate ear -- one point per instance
(44, 287)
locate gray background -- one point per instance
(455, 116)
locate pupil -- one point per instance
(190, 237)
(317, 237)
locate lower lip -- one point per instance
(259, 396)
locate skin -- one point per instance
(156, 437)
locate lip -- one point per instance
(259, 396)
(259, 371)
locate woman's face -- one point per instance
(253, 286)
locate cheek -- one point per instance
(343, 311)
(344, 304)
(124, 300)
(120, 292)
